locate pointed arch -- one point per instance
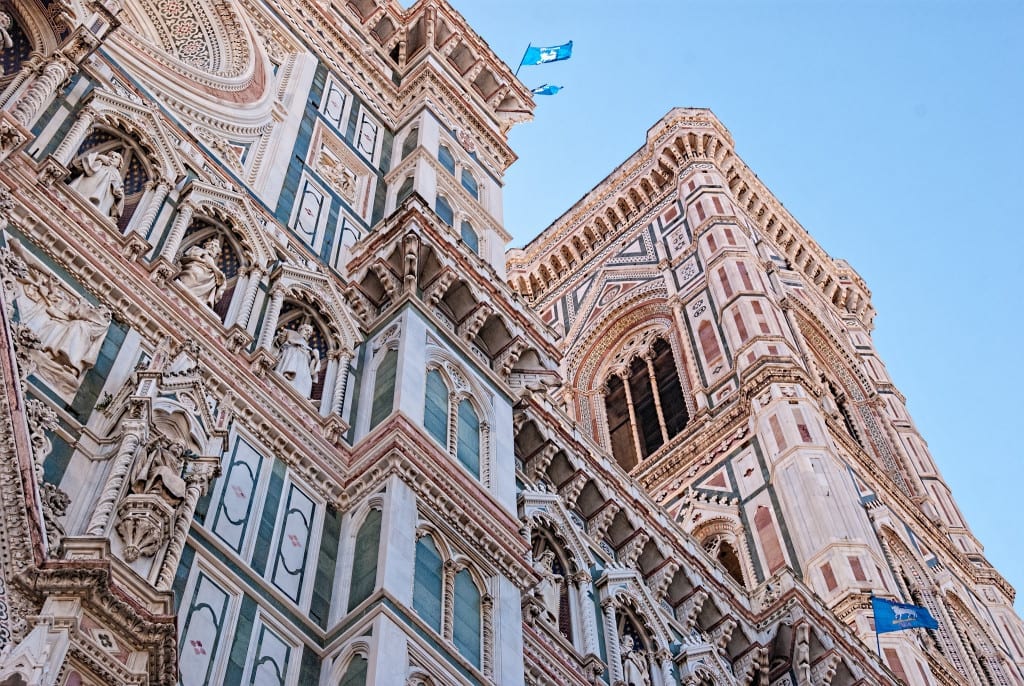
(321, 292)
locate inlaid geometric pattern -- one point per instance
(289, 572)
(238, 496)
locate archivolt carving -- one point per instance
(147, 129)
(623, 588)
(36, 25)
(319, 290)
(589, 355)
(236, 211)
(544, 510)
(207, 38)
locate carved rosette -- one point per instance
(144, 525)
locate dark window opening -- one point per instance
(619, 428)
(655, 416)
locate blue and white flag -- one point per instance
(893, 616)
(546, 89)
(535, 55)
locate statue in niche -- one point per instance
(299, 362)
(159, 472)
(100, 182)
(548, 590)
(634, 664)
(200, 275)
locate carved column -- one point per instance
(633, 427)
(582, 583)
(664, 658)
(649, 359)
(487, 631)
(198, 480)
(54, 73)
(181, 222)
(448, 604)
(273, 313)
(135, 431)
(75, 136)
(155, 202)
(28, 67)
(611, 634)
(485, 454)
(344, 357)
(252, 287)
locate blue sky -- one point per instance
(890, 130)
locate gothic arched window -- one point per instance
(410, 143)
(468, 450)
(364, 560)
(428, 582)
(355, 673)
(447, 160)
(644, 405)
(405, 190)
(470, 184)
(444, 210)
(470, 238)
(384, 388)
(435, 408)
(467, 621)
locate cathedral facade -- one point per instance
(282, 409)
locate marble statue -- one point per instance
(5, 36)
(634, 664)
(200, 275)
(548, 589)
(159, 472)
(298, 362)
(6, 42)
(69, 328)
(100, 182)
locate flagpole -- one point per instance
(528, 46)
(874, 623)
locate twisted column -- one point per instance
(487, 631)
(75, 135)
(581, 582)
(611, 633)
(197, 481)
(134, 434)
(181, 223)
(252, 287)
(633, 427)
(648, 358)
(156, 201)
(344, 357)
(273, 314)
(28, 67)
(54, 73)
